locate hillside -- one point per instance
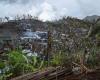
(92, 18)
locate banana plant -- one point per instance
(19, 63)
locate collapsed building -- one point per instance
(21, 35)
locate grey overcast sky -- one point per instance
(50, 9)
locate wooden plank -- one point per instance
(36, 75)
(57, 74)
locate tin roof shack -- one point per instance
(34, 41)
(32, 38)
(8, 35)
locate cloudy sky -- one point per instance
(50, 9)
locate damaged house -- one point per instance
(12, 33)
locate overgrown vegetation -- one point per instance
(74, 42)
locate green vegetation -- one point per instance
(18, 64)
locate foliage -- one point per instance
(18, 64)
(60, 59)
(93, 58)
